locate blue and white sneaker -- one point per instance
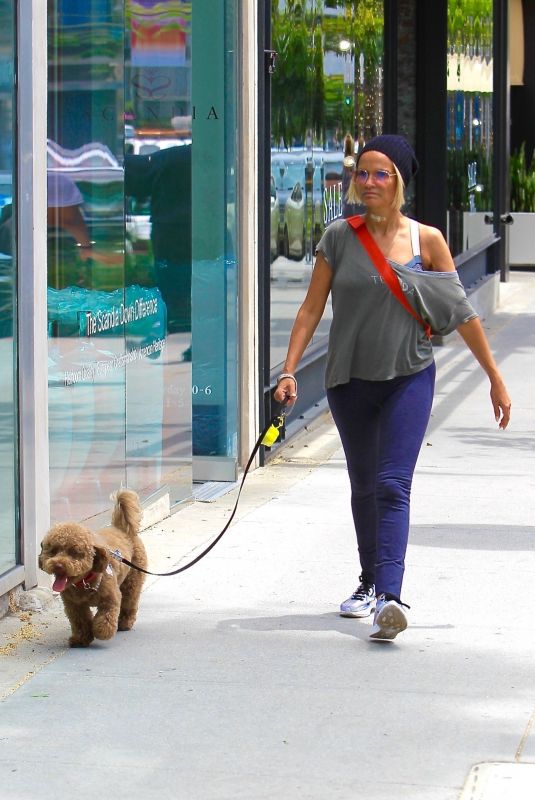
(362, 601)
(389, 619)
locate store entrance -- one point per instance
(119, 260)
(141, 250)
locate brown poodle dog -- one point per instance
(88, 576)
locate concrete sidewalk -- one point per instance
(240, 679)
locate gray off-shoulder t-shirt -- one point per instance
(372, 335)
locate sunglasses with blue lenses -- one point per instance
(379, 176)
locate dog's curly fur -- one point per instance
(88, 576)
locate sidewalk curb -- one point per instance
(500, 781)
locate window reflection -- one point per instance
(332, 105)
(158, 190)
(158, 136)
(86, 281)
(469, 126)
(129, 199)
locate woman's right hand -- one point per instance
(285, 393)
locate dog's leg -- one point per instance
(107, 616)
(130, 590)
(81, 620)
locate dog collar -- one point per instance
(86, 581)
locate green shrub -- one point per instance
(522, 181)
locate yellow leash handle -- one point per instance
(273, 432)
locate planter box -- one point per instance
(466, 229)
(522, 240)
(475, 228)
(521, 236)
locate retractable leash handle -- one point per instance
(268, 437)
(272, 432)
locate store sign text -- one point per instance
(332, 202)
(119, 315)
(94, 370)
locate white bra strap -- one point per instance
(415, 236)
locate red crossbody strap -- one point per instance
(384, 269)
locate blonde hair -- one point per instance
(353, 193)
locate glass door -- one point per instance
(142, 224)
(87, 306)
(180, 173)
(158, 145)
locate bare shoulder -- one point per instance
(435, 251)
(429, 234)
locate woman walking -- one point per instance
(392, 281)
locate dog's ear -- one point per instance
(101, 559)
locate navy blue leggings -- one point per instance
(382, 425)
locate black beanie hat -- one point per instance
(398, 150)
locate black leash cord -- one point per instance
(277, 419)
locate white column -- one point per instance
(32, 280)
(248, 232)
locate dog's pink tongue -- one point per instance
(60, 583)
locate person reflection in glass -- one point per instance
(348, 173)
(64, 201)
(164, 179)
(64, 212)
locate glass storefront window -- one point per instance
(9, 539)
(331, 105)
(158, 156)
(214, 237)
(86, 265)
(181, 111)
(469, 126)
(142, 215)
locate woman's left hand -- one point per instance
(474, 336)
(501, 403)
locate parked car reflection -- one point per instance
(308, 187)
(274, 228)
(294, 231)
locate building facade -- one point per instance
(167, 168)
